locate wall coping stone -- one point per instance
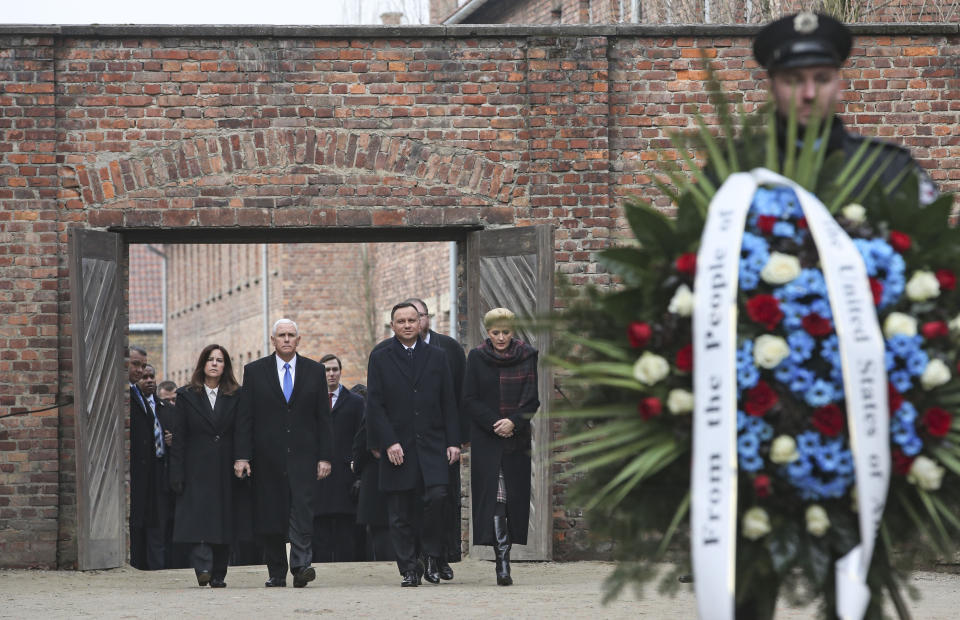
(440, 31)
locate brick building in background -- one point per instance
(340, 295)
(145, 298)
(285, 135)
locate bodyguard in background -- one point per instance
(201, 464)
(284, 442)
(335, 508)
(372, 502)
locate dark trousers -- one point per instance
(379, 545)
(300, 535)
(334, 538)
(402, 514)
(211, 558)
(451, 516)
(147, 548)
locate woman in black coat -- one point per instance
(500, 397)
(201, 464)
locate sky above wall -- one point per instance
(272, 12)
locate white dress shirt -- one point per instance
(281, 370)
(212, 395)
(336, 395)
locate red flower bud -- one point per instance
(934, 330)
(947, 279)
(816, 325)
(649, 407)
(828, 420)
(937, 421)
(901, 242)
(901, 462)
(686, 263)
(761, 485)
(764, 309)
(639, 334)
(760, 399)
(894, 399)
(876, 289)
(684, 359)
(765, 223)
(802, 223)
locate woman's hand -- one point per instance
(503, 427)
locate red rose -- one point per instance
(802, 223)
(639, 334)
(649, 407)
(761, 485)
(893, 398)
(684, 360)
(876, 288)
(937, 421)
(765, 223)
(947, 279)
(686, 263)
(760, 399)
(764, 309)
(816, 325)
(901, 242)
(828, 420)
(934, 330)
(901, 462)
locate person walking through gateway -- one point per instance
(500, 397)
(201, 464)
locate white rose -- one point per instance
(756, 523)
(682, 302)
(679, 401)
(817, 520)
(780, 268)
(925, 473)
(854, 212)
(899, 323)
(922, 286)
(650, 368)
(768, 351)
(935, 374)
(954, 324)
(783, 450)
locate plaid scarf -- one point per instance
(518, 372)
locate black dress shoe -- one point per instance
(276, 582)
(203, 578)
(410, 579)
(304, 576)
(218, 583)
(446, 573)
(431, 572)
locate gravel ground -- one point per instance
(361, 590)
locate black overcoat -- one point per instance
(333, 492)
(201, 462)
(147, 496)
(489, 452)
(283, 441)
(372, 503)
(411, 402)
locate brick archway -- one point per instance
(281, 177)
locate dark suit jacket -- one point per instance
(147, 501)
(201, 463)
(283, 441)
(333, 492)
(372, 503)
(413, 404)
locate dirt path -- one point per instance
(364, 590)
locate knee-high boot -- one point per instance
(502, 550)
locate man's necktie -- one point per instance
(287, 382)
(410, 354)
(331, 401)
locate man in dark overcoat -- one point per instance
(284, 443)
(148, 510)
(412, 421)
(335, 514)
(372, 502)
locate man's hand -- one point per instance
(167, 438)
(503, 427)
(453, 454)
(395, 454)
(375, 453)
(241, 468)
(323, 469)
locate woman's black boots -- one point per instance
(502, 550)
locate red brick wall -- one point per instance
(160, 129)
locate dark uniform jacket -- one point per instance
(201, 465)
(333, 492)
(372, 503)
(283, 441)
(147, 472)
(411, 402)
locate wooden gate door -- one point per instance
(513, 268)
(98, 373)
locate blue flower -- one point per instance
(802, 380)
(751, 463)
(820, 393)
(783, 229)
(801, 346)
(760, 428)
(917, 362)
(748, 443)
(900, 380)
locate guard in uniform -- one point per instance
(802, 54)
